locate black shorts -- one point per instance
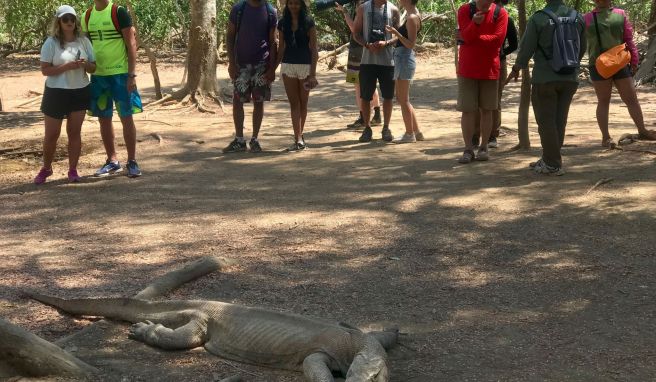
(623, 73)
(368, 76)
(58, 103)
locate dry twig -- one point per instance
(599, 183)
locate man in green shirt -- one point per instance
(552, 92)
(114, 43)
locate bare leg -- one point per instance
(305, 96)
(403, 98)
(628, 94)
(73, 128)
(366, 112)
(487, 117)
(467, 124)
(358, 101)
(238, 117)
(52, 131)
(292, 86)
(387, 111)
(130, 136)
(107, 134)
(375, 102)
(258, 114)
(603, 90)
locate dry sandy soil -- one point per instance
(491, 272)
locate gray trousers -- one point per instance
(551, 105)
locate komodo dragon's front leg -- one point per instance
(317, 366)
(188, 336)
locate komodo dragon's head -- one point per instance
(369, 364)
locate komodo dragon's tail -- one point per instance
(126, 309)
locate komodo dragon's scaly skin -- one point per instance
(251, 335)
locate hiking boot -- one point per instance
(236, 146)
(476, 140)
(466, 157)
(110, 167)
(541, 167)
(387, 134)
(406, 138)
(492, 143)
(73, 177)
(254, 145)
(366, 135)
(482, 155)
(419, 136)
(133, 169)
(358, 124)
(376, 121)
(40, 178)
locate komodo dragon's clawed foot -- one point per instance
(140, 330)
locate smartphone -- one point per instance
(78, 55)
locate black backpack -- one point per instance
(564, 57)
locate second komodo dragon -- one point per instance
(252, 335)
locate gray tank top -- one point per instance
(384, 57)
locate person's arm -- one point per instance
(130, 39)
(281, 46)
(90, 64)
(583, 39)
(511, 36)
(527, 47)
(412, 23)
(349, 21)
(314, 50)
(357, 26)
(630, 44)
(273, 53)
(230, 45)
(47, 55)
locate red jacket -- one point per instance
(479, 54)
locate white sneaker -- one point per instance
(406, 138)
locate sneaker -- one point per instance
(466, 157)
(376, 121)
(110, 167)
(235, 146)
(73, 177)
(476, 141)
(40, 178)
(133, 169)
(406, 138)
(296, 146)
(358, 124)
(366, 135)
(254, 145)
(482, 155)
(492, 143)
(541, 167)
(387, 134)
(301, 145)
(420, 136)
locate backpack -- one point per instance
(87, 16)
(564, 57)
(472, 11)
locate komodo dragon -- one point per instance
(252, 335)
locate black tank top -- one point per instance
(404, 32)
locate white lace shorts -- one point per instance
(300, 71)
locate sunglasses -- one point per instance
(68, 18)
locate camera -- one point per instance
(322, 5)
(376, 35)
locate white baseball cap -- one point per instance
(65, 10)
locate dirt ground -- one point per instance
(492, 273)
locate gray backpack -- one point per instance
(564, 57)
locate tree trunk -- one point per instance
(25, 354)
(652, 22)
(201, 54)
(455, 45)
(525, 96)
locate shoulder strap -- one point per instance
(601, 48)
(115, 18)
(270, 13)
(472, 9)
(497, 11)
(240, 13)
(87, 16)
(551, 15)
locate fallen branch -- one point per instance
(26, 354)
(33, 100)
(333, 53)
(644, 151)
(599, 183)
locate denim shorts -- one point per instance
(404, 63)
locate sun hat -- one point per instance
(65, 10)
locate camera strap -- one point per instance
(371, 27)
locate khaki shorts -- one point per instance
(477, 94)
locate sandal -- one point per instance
(466, 157)
(608, 143)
